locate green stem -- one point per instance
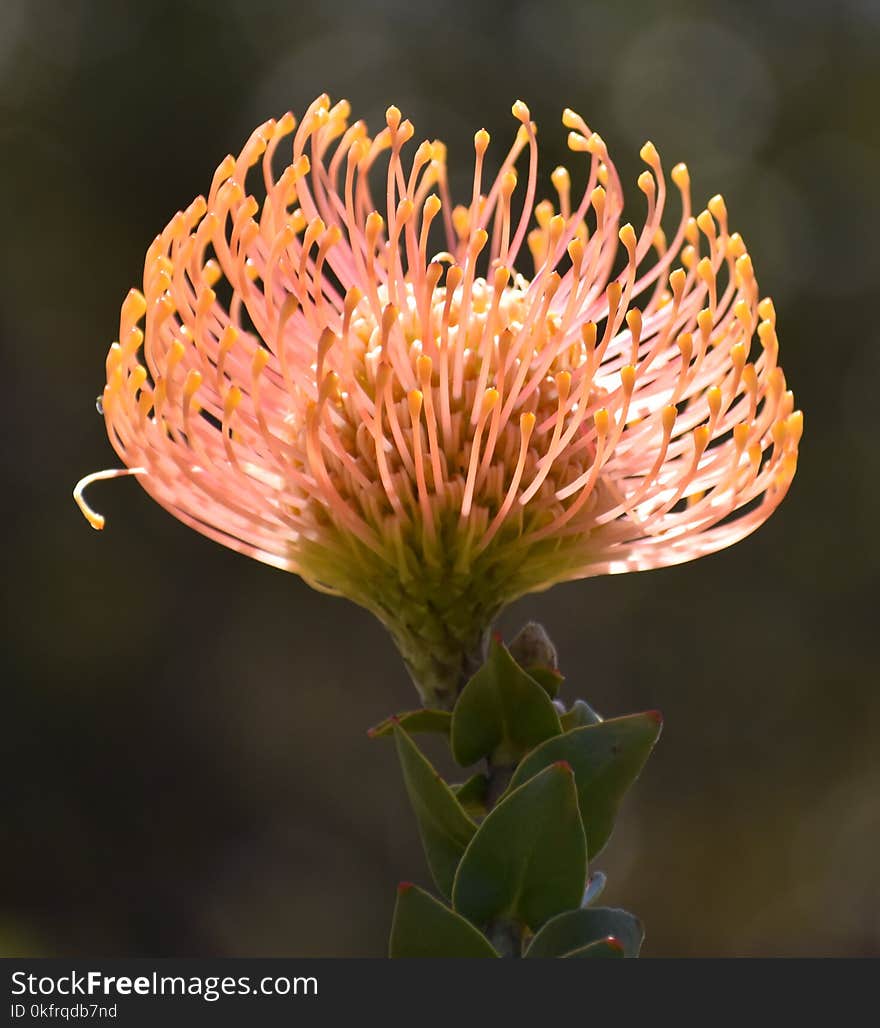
(506, 937)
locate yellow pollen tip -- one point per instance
(596, 145)
(649, 154)
(424, 367)
(286, 123)
(628, 378)
(691, 231)
(374, 225)
(588, 334)
(481, 141)
(578, 143)
(645, 182)
(668, 418)
(701, 438)
(414, 396)
(601, 419)
(211, 272)
(744, 266)
(259, 362)
(527, 424)
(461, 220)
(766, 310)
(560, 178)
(612, 294)
(743, 314)
(713, 397)
(718, 207)
(627, 236)
(706, 223)
(767, 334)
(576, 250)
(634, 321)
(508, 184)
(392, 117)
(570, 119)
(735, 246)
(98, 521)
(705, 270)
(543, 213)
(233, 399)
(795, 426)
(521, 112)
(490, 399)
(481, 237)
(680, 176)
(432, 206)
(134, 306)
(192, 383)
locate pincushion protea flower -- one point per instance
(435, 434)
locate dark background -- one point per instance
(185, 769)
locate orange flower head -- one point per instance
(336, 371)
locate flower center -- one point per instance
(430, 427)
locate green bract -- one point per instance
(509, 846)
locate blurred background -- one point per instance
(185, 765)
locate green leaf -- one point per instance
(548, 678)
(576, 929)
(528, 860)
(501, 713)
(472, 794)
(580, 715)
(606, 759)
(609, 947)
(424, 720)
(424, 927)
(444, 827)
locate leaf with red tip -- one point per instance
(444, 826)
(574, 930)
(548, 678)
(609, 947)
(606, 758)
(528, 859)
(425, 927)
(414, 721)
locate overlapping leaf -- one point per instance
(445, 828)
(425, 927)
(606, 759)
(528, 859)
(501, 713)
